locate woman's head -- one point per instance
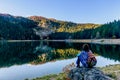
(86, 47)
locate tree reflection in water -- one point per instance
(42, 52)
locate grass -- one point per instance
(112, 71)
(60, 76)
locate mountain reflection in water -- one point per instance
(18, 53)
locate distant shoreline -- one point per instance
(97, 41)
(93, 41)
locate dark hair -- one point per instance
(86, 47)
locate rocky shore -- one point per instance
(87, 74)
(111, 72)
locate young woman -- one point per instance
(86, 57)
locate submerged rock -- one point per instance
(87, 74)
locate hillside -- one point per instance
(38, 27)
(108, 30)
(57, 29)
(16, 28)
(61, 26)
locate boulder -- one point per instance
(87, 74)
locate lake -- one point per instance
(21, 60)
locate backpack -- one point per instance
(92, 61)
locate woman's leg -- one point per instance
(78, 62)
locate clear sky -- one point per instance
(80, 11)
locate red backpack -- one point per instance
(92, 61)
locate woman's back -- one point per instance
(85, 57)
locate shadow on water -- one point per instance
(41, 52)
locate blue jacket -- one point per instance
(83, 56)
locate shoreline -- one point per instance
(98, 41)
(92, 41)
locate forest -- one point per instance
(16, 28)
(38, 27)
(107, 31)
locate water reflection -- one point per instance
(17, 53)
(108, 51)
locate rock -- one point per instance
(87, 74)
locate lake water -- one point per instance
(21, 60)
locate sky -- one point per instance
(79, 11)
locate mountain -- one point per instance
(49, 22)
(62, 29)
(38, 27)
(61, 26)
(17, 28)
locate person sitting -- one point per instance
(86, 57)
